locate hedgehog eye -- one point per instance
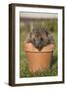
(41, 39)
(46, 33)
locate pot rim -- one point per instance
(30, 48)
(38, 51)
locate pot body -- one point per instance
(38, 60)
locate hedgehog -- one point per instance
(40, 37)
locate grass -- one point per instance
(24, 71)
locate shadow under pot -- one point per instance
(39, 60)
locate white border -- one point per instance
(38, 15)
(19, 80)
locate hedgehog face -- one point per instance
(39, 39)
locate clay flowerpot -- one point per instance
(38, 60)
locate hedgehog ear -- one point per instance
(47, 32)
(28, 39)
(51, 29)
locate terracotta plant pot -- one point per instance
(38, 60)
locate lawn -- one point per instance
(24, 29)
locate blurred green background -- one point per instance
(26, 26)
